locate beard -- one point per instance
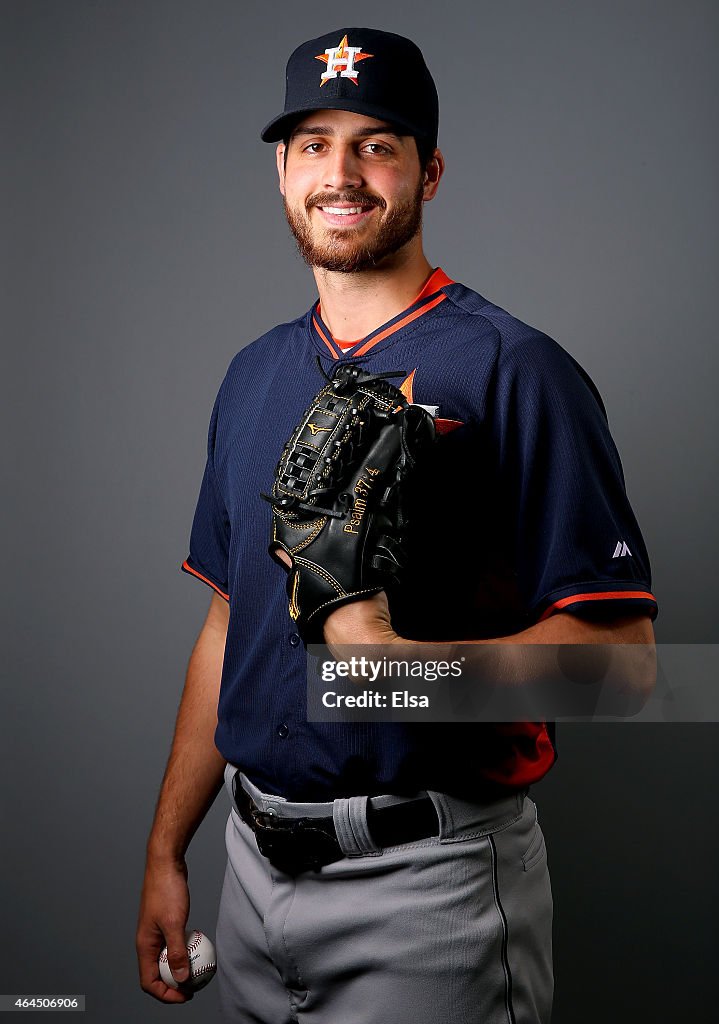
(346, 250)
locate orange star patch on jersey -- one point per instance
(442, 426)
(340, 61)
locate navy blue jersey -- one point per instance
(521, 512)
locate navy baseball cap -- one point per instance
(365, 71)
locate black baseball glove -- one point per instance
(340, 493)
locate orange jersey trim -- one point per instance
(400, 323)
(188, 568)
(436, 280)
(602, 595)
(324, 336)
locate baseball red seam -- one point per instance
(190, 949)
(203, 970)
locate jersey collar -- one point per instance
(431, 295)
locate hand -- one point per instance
(359, 622)
(164, 909)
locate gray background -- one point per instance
(143, 244)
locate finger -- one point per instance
(150, 980)
(279, 555)
(159, 990)
(177, 957)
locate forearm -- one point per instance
(369, 622)
(193, 776)
(547, 650)
(618, 657)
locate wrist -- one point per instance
(361, 634)
(164, 855)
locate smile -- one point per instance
(345, 214)
(342, 211)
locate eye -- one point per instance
(313, 147)
(376, 148)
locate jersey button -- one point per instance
(283, 731)
(295, 640)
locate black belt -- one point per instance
(306, 844)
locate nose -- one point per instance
(342, 169)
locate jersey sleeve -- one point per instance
(578, 545)
(210, 534)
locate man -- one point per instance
(438, 904)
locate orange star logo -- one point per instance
(442, 426)
(341, 60)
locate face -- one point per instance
(353, 190)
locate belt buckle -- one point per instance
(296, 846)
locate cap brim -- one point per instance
(280, 127)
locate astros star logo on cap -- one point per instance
(344, 57)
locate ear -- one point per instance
(432, 175)
(280, 155)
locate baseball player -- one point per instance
(385, 872)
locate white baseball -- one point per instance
(203, 962)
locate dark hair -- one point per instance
(425, 149)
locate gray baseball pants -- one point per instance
(455, 928)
